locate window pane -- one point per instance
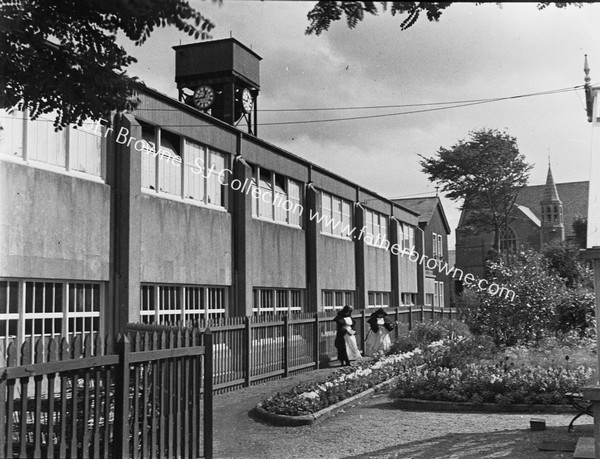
(346, 219)
(369, 223)
(43, 143)
(215, 191)
(148, 157)
(169, 164)
(280, 199)
(11, 133)
(326, 210)
(85, 148)
(336, 215)
(295, 205)
(265, 200)
(195, 171)
(383, 229)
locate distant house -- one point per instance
(543, 214)
(434, 285)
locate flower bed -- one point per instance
(309, 398)
(446, 377)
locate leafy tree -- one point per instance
(486, 172)
(577, 312)
(325, 12)
(531, 315)
(62, 55)
(563, 259)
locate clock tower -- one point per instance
(221, 78)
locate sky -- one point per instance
(473, 52)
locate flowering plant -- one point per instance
(485, 382)
(311, 397)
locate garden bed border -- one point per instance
(438, 405)
(307, 419)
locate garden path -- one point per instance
(374, 428)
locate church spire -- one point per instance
(550, 191)
(552, 227)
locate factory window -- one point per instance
(277, 300)
(409, 299)
(376, 229)
(276, 197)
(378, 299)
(73, 149)
(182, 168)
(48, 309)
(336, 216)
(337, 299)
(183, 305)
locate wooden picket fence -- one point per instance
(145, 395)
(250, 350)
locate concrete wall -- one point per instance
(408, 275)
(185, 244)
(335, 263)
(377, 269)
(52, 225)
(278, 255)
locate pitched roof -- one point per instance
(574, 197)
(529, 214)
(425, 207)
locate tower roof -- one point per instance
(550, 191)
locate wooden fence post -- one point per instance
(422, 313)
(286, 346)
(362, 330)
(121, 432)
(247, 363)
(208, 394)
(410, 317)
(397, 322)
(317, 344)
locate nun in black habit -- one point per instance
(378, 338)
(345, 340)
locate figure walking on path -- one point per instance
(345, 339)
(378, 338)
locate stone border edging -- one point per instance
(307, 419)
(435, 405)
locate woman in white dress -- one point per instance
(378, 338)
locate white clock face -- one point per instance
(204, 96)
(247, 100)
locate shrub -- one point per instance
(530, 315)
(576, 312)
(424, 333)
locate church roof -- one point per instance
(573, 195)
(425, 207)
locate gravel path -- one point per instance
(374, 428)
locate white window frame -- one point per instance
(293, 215)
(186, 168)
(375, 222)
(378, 299)
(336, 216)
(346, 296)
(26, 155)
(284, 300)
(93, 291)
(441, 294)
(181, 303)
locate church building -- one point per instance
(543, 214)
